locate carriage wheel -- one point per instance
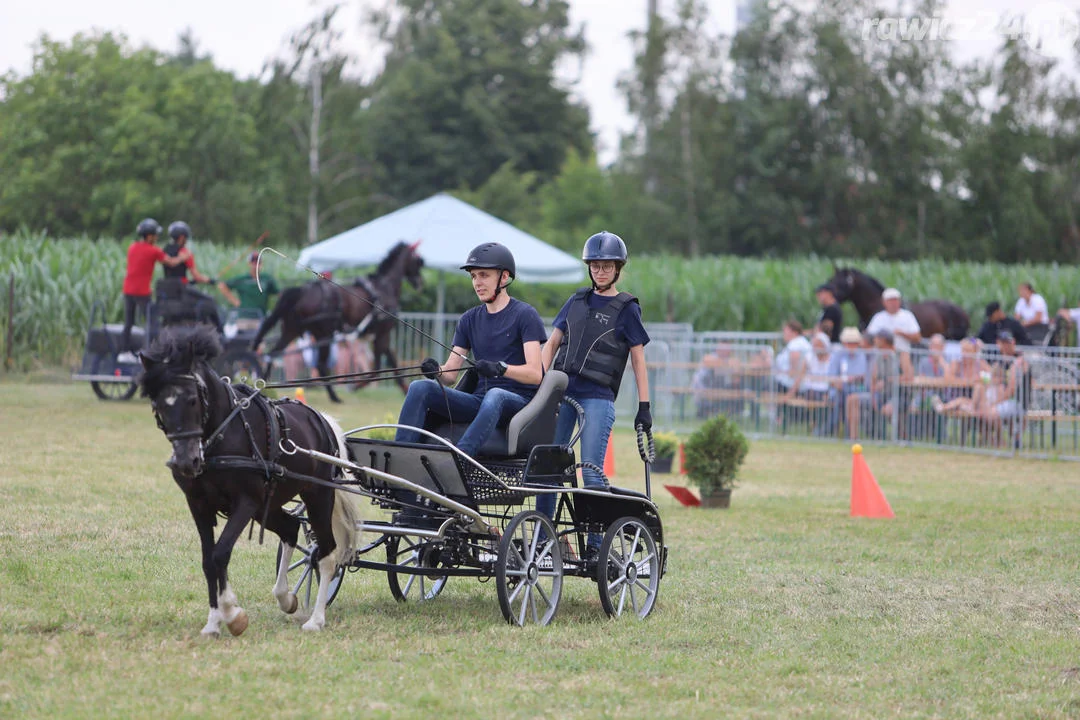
(304, 569)
(628, 572)
(529, 572)
(240, 365)
(110, 390)
(413, 551)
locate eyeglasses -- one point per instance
(602, 266)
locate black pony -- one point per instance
(864, 292)
(230, 456)
(322, 308)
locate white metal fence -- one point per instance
(695, 375)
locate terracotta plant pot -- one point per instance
(716, 499)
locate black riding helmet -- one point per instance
(602, 246)
(178, 228)
(494, 256)
(148, 226)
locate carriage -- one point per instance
(452, 515)
(111, 379)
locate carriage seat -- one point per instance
(533, 425)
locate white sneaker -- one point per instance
(126, 358)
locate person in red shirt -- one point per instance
(142, 256)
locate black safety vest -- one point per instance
(179, 271)
(591, 348)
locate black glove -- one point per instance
(643, 419)
(489, 368)
(211, 281)
(431, 368)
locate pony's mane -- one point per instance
(175, 351)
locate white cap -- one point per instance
(890, 294)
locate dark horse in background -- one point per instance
(323, 308)
(864, 292)
(230, 456)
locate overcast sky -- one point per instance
(242, 34)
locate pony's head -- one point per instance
(414, 265)
(404, 259)
(175, 372)
(843, 283)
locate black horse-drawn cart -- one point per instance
(450, 515)
(112, 379)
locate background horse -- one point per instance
(864, 292)
(323, 308)
(227, 459)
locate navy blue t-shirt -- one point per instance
(628, 327)
(500, 336)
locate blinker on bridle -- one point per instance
(204, 406)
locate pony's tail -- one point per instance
(345, 520)
(286, 302)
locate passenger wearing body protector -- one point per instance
(142, 256)
(595, 332)
(200, 306)
(504, 335)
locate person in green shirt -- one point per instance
(243, 291)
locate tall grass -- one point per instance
(58, 281)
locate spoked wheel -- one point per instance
(413, 551)
(529, 572)
(628, 571)
(304, 569)
(110, 390)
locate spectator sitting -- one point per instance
(848, 374)
(1069, 315)
(812, 381)
(1018, 378)
(1032, 312)
(716, 372)
(789, 362)
(884, 371)
(832, 317)
(996, 321)
(901, 326)
(932, 365)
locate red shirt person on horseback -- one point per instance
(142, 256)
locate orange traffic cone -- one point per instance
(682, 459)
(867, 500)
(300, 395)
(609, 457)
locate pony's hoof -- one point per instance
(311, 626)
(238, 624)
(210, 634)
(293, 604)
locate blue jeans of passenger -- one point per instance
(483, 413)
(599, 419)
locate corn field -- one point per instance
(57, 282)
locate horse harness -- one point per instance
(241, 398)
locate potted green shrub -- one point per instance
(666, 444)
(713, 455)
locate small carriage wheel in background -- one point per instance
(110, 390)
(628, 571)
(304, 570)
(413, 551)
(529, 572)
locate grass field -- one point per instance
(965, 605)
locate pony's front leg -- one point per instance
(204, 524)
(231, 613)
(327, 569)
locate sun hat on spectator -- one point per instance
(890, 294)
(1006, 336)
(850, 335)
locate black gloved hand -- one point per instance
(430, 367)
(489, 368)
(643, 419)
(211, 281)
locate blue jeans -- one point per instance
(599, 419)
(485, 412)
